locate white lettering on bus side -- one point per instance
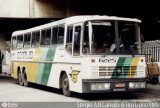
(25, 55)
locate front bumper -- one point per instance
(113, 82)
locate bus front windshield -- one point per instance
(110, 37)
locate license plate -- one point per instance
(119, 89)
(120, 85)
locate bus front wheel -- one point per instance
(65, 85)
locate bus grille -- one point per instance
(122, 71)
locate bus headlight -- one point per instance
(100, 86)
(137, 85)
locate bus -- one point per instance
(83, 54)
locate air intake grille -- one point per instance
(102, 71)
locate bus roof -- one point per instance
(75, 19)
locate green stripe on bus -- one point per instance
(126, 67)
(133, 67)
(47, 66)
(52, 52)
(39, 73)
(46, 72)
(41, 66)
(120, 63)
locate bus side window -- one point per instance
(27, 39)
(77, 36)
(69, 39)
(46, 37)
(14, 42)
(35, 39)
(20, 41)
(54, 35)
(61, 34)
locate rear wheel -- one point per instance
(20, 78)
(26, 83)
(65, 85)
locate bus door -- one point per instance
(77, 32)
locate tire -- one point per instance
(20, 78)
(65, 85)
(25, 82)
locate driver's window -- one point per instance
(86, 49)
(77, 35)
(69, 39)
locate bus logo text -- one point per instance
(107, 60)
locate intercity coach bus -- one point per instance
(83, 54)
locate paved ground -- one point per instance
(10, 91)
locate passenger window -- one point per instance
(35, 39)
(46, 37)
(69, 39)
(27, 40)
(14, 42)
(54, 35)
(58, 34)
(20, 41)
(61, 34)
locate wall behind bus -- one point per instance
(14, 8)
(33, 9)
(48, 9)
